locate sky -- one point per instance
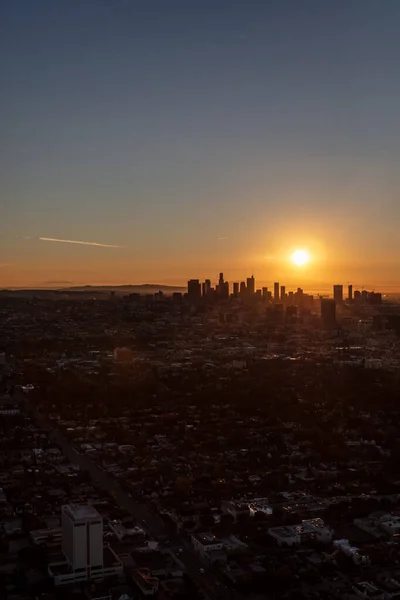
(188, 137)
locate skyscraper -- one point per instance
(350, 293)
(194, 289)
(328, 313)
(276, 291)
(265, 293)
(206, 287)
(236, 288)
(251, 286)
(338, 293)
(224, 291)
(221, 285)
(243, 290)
(283, 293)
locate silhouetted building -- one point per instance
(375, 298)
(299, 297)
(194, 289)
(291, 314)
(350, 293)
(206, 288)
(338, 293)
(224, 290)
(236, 288)
(221, 285)
(328, 313)
(243, 289)
(357, 296)
(276, 291)
(283, 293)
(364, 296)
(251, 286)
(265, 293)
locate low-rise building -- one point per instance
(309, 529)
(352, 552)
(147, 584)
(236, 508)
(204, 543)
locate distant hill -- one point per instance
(143, 288)
(84, 291)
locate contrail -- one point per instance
(46, 239)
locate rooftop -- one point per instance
(81, 512)
(206, 538)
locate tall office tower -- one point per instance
(338, 293)
(221, 284)
(283, 292)
(224, 292)
(82, 536)
(236, 289)
(357, 296)
(328, 313)
(350, 293)
(265, 293)
(243, 290)
(194, 289)
(276, 291)
(206, 287)
(251, 286)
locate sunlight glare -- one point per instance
(300, 257)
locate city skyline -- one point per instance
(146, 141)
(277, 292)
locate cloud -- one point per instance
(46, 239)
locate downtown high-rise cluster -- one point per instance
(244, 289)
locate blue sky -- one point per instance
(162, 127)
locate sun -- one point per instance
(300, 257)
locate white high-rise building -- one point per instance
(85, 556)
(82, 537)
